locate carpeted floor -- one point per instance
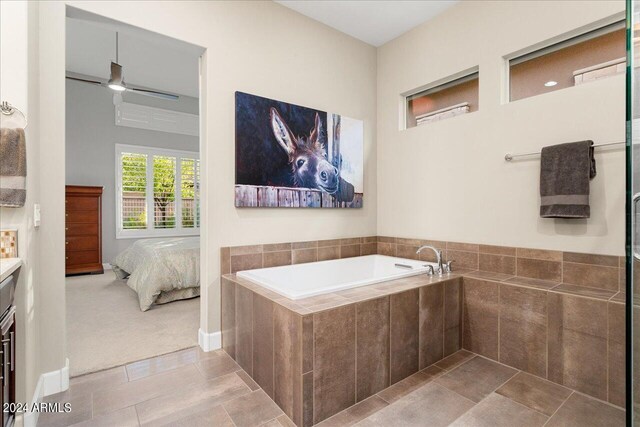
(105, 327)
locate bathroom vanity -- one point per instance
(7, 347)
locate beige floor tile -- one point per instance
(281, 421)
(583, 411)
(498, 411)
(134, 392)
(252, 409)
(126, 417)
(356, 413)
(210, 417)
(203, 355)
(217, 365)
(175, 405)
(247, 380)
(409, 384)
(476, 378)
(431, 405)
(535, 393)
(80, 411)
(90, 383)
(285, 421)
(167, 362)
(455, 360)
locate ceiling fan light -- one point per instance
(116, 82)
(118, 87)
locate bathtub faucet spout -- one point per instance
(438, 253)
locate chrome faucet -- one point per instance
(438, 253)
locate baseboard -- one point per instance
(30, 419)
(209, 342)
(106, 266)
(56, 381)
(49, 383)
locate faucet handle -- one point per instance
(430, 270)
(448, 266)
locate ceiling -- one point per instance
(148, 59)
(373, 22)
(158, 62)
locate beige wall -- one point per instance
(19, 85)
(53, 331)
(465, 190)
(448, 180)
(255, 47)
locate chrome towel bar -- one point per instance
(508, 157)
(7, 110)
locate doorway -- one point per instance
(133, 193)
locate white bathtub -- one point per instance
(316, 278)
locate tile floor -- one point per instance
(192, 388)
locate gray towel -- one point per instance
(565, 172)
(13, 167)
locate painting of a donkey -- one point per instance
(307, 155)
(285, 157)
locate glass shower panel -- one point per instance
(633, 213)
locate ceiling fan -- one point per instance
(116, 82)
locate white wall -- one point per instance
(448, 180)
(19, 86)
(90, 146)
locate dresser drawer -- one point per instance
(82, 257)
(81, 243)
(81, 217)
(82, 203)
(82, 229)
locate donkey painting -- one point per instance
(307, 155)
(281, 147)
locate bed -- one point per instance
(161, 270)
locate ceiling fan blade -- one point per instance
(154, 93)
(95, 82)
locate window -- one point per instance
(590, 56)
(448, 98)
(157, 192)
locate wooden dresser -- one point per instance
(83, 225)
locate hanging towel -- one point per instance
(13, 167)
(565, 172)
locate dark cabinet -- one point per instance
(83, 229)
(8, 350)
(8, 359)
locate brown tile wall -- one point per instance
(318, 364)
(236, 258)
(568, 338)
(599, 272)
(372, 347)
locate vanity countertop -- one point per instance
(8, 266)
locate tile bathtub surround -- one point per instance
(569, 338)
(556, 315)
(588, 271)
(237, 258)
(579, 271)
(329, 352)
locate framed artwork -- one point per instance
(291, 156)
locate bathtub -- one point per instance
(316, 278)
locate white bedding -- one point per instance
(161, 270)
